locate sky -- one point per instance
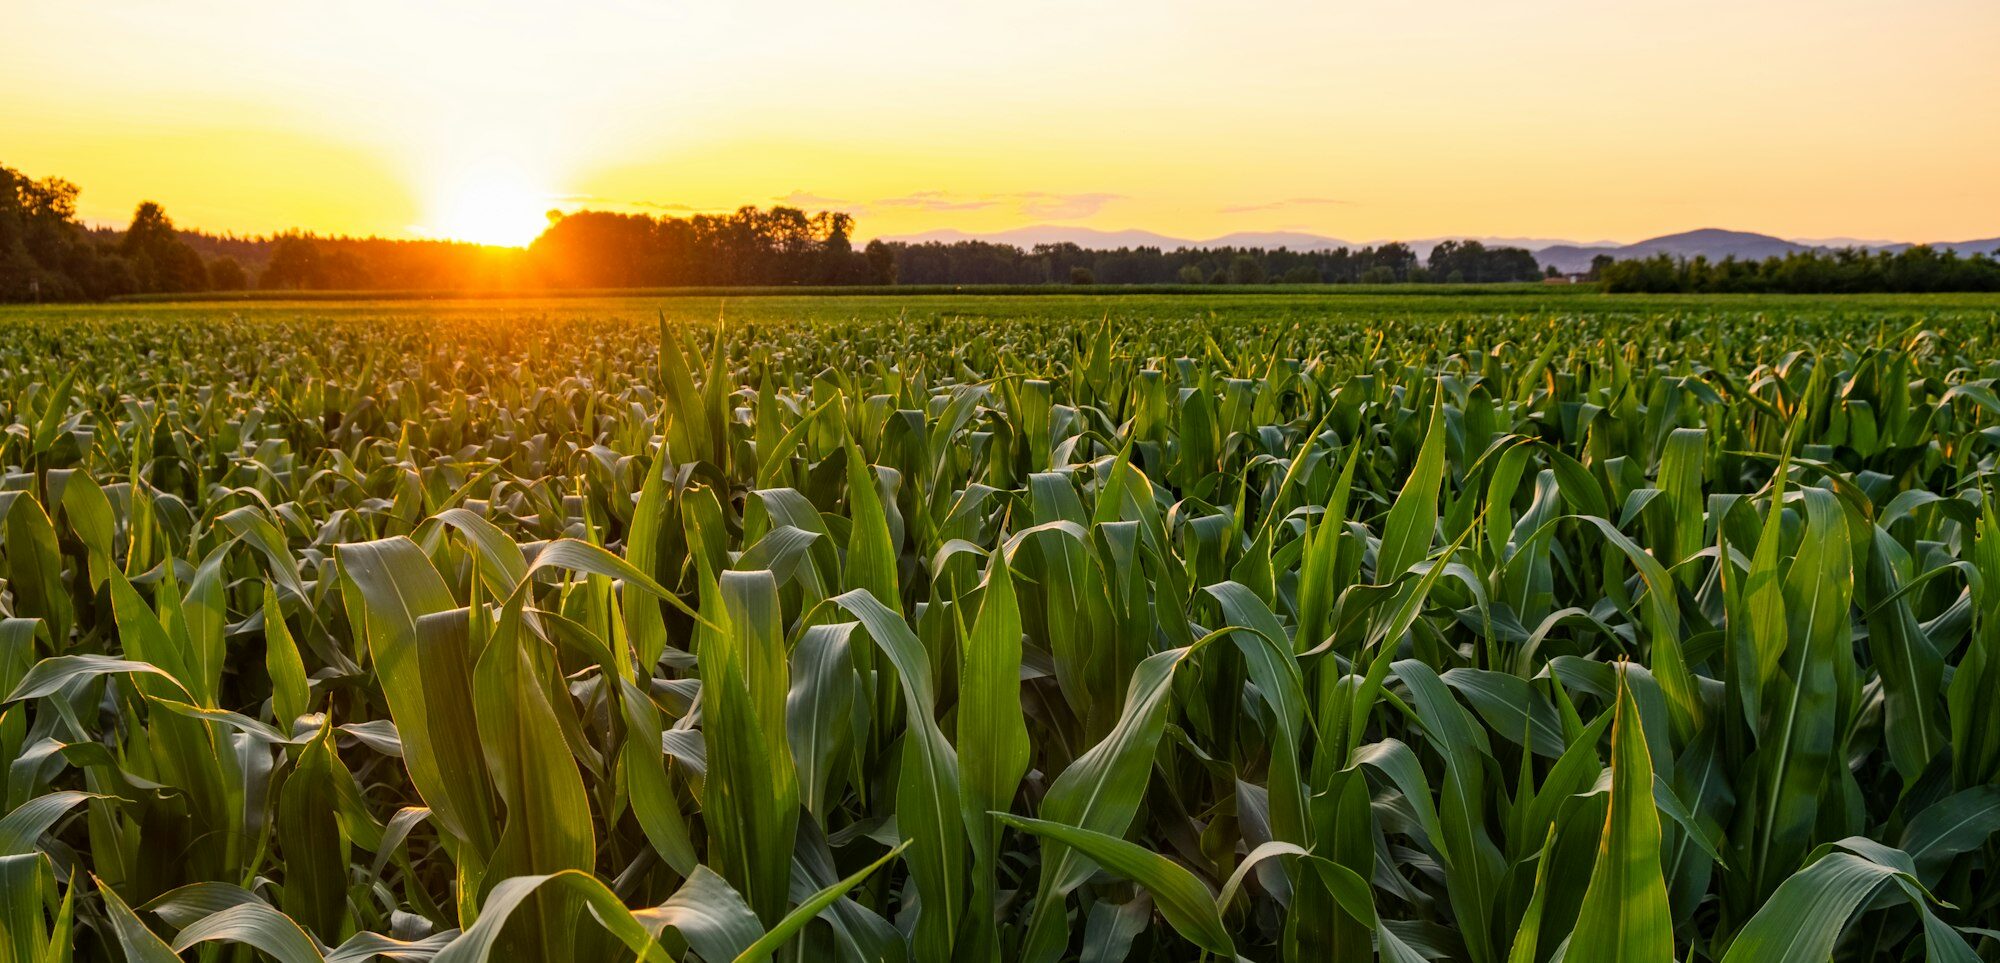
(1575, 119)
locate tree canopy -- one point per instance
(1851, 271)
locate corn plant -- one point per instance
(1476, 636)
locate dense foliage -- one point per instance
(981, 262)
(1849, 271)
(1479, 636)
(46, 255)
(785, 245)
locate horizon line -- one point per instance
(998, 235)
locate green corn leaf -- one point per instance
(548, 825)
(257, 925)
(810, 908)
(650, 788)
(477, 943)
(751, 796)
(314, 848)
(392, 596)
(25, 824)
(819, 709)
(1799, 741)
(1805, 916)
(1625, 917)
(993, 749)
(928, 784)
(24, 935)
(1187, 904)
(290, 692)
(139, 944)
(709, 915)
(1407, 531)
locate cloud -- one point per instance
(802, 198)
(1287, 202)
(935, 201)
(1038, 205)
(1042, 204)
(600, 202)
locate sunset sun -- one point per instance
(489, 203)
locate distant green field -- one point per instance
(880, 291)
(1280, 304)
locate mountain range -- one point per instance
(1565, 255)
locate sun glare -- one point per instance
(489, 204)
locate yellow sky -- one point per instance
(1544, 118)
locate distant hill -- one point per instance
(1989, 245)
(1295, 240)
(1423, 245)
(1716, 244)
(1569, 257)
(1712, 243)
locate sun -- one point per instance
(489, 203)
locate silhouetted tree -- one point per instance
(159, 260)
(1851, 271)
(226, 274)
(1246, 269)
(881, 263)
(294, 264)
(782, 245)
(1459, 262)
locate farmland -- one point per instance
(1489, 628)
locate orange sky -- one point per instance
(1541, 118)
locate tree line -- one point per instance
(1848, 271)
(45, 254)
(778, 246)
(982, 262)
(785, 246)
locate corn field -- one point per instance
(1482, 638)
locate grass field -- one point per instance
(1362, 304)
(1494, 628)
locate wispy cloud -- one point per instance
(1038, 205)
(1041, 204)
(935, 201)
(803, 198)
(600, 202)
(1287, 202)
